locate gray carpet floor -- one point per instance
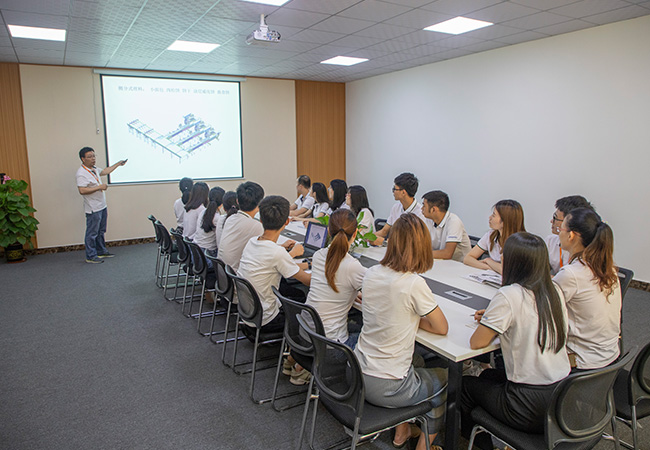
(93, 357)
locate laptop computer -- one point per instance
(315, 239)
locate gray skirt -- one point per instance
(419, 385)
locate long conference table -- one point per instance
(458, 297)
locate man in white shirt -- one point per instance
(240, 227)
(404, 190)
(92, 190)
(448, 235)
(558, 257)
(305, 202)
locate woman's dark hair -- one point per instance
(409, 247)
(230, 204)
(342, 225)
(525, 262)
(358, 199)
(198, 196)
(597, 238)
(215, 198)
(339, 189)
(320, 191)
(185, 185)
(512, 216)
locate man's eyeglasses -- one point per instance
(556, 219)
(395, 189)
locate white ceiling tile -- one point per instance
(459, 7)
(54, 7)
(41, 59)
(458, 41)
(374, 10)
(502, 12)
(422, 37)
(287, 31)
(424, 50)
(521, 37)
(391, 46)
(565, 27)
(237, 9)
(35, 20)
(35, 52)
(538, 20)
(317, 37)
(356, 41)
(5, 41)
(320, 6)
(629, 12)
(492, 32)
(584, 8)
(411, 3)
(544, 4)
(9, 58)
(37, 44)
(329, 51)
(296, 46)
(419, 18)
(345, 25)
(294, 17)
(455, 53)
(385, 31)
(367, 53)
(7, 50)
(484, 46)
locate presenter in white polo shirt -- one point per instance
(92, 190)
(448, 235)
(404, 190)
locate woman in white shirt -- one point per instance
(185, 185)
(336, 191)
(529, 316)
(194, 207)
(205, 236)
(357, 200)
(506, 219)
(591, 289)
(396, 302)
(321, 200)
(336, 278)
(230, 207)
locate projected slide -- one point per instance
(171, 128)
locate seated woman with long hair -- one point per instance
(194, 207)
(337, 190)
(321, 204)
(357, 200)
(185, 186)
(230, 207)
(506, 219)
(591, 289)
(205, 236)
(396, 302)
(529, 317)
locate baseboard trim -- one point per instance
(78, 247)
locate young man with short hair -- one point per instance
(305, 202)
(241, 226)
(264, 262)
(404, 190)
(92, 190)
(563, 206)
(448, 235)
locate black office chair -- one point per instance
(341, 389)
(625, 278)
(379, 224)
(249, 309)
(169, 254)
(632, 394)
(224, 292)
(158, 239)
(299, 346)
(205, 279)
(184, 260)
(581, 407)
(474, 239)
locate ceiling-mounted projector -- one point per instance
(263, 35)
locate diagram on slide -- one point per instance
(191, 135)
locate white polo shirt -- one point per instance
(263, 264)
(368, 221)
(206, 240)
(305, 201)
(219, 227)
(190, 220)
(333, 307)
(484, 244)
(95, 201)
(594, 319)
(556, 256)
(393, 303)
(512, 313)
(397, 210)
(450, 229)
(237, 231)
(320, 208)
(179, 211)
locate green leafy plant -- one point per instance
(16, 223)
(363, 235)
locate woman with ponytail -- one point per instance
(231, 207)
(194, 207)
(206, 225)
(336, 278)
(529, 316)
(185, 185)
(591, 288)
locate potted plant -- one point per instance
(17, 226)
(363, 235)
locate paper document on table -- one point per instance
(488, 277)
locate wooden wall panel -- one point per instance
(320, 130)
(13, 145)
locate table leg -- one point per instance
(454, 389)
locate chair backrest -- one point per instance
(165, 238)
(297, 341)
(640, 377)
(582, 404)
(155, 228)
(224, 284)
(336, 371)
(183, 249)
(624, 277)
(199, 263)
(473, 240)
(249, 306)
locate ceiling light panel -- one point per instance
(46, 34)
(188, 46)
(268, 2)
(344, 61)
(458, 25)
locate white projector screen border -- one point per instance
(142, 115)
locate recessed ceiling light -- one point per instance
(269, 2)
(187, 46)
(47, 34)
(458, 25)
(344, 60)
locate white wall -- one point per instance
(537, 121)
(62, 108)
